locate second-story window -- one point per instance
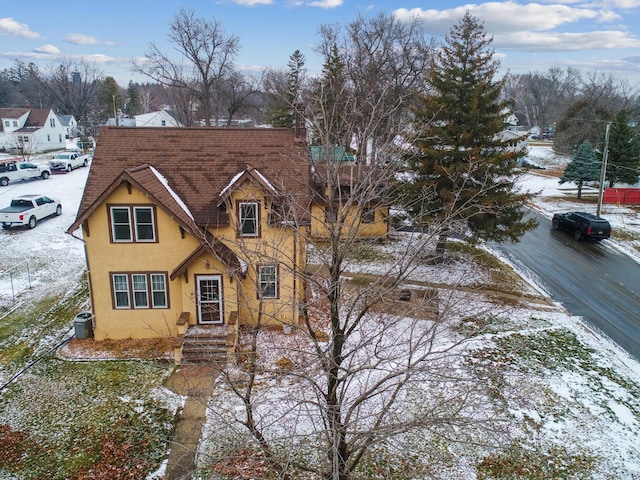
(52, 122)
(248, 219)
(132, 224)
(267, 281)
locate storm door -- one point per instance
(209, 299)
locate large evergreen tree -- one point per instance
(583, 167)
(109, 98)
(133, 105)
(462, 168)
(282, 108)
(624, 151)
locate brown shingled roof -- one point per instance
(198, 163)
(37, 117)
(14, 113)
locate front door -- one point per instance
(209, 299)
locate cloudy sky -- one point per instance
(601, 35)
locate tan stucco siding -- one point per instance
(107, 257)
(353, 227)
(275, 245)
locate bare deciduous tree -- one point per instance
(70, 86)
(374, 359)
(206, 64)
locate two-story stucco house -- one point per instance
(191, 232)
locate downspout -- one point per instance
(86, 258)
(296, 305)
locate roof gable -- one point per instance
(38, 117)
(197, 164)
(251, 174)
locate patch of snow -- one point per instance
(231, 183)
(175, 196)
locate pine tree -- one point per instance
(623, 163)
(583, 167)
(331, 90)
(133, 106)
(282, 109)
(463, 171)
(109, 98)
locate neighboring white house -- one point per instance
(31, 130)
(161, 118)
(11, 119)
(70, 124)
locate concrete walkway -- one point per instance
(196, 383)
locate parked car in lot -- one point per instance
(13, 171)
(28, 209)
(582, 225)
(64, 162)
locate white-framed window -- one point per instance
(139, 290)
(248, 219)
(158, 290)
(267, 281)
(132, 224)
(120, 284)
(121, 224)
(145, 225)
(15, 123)
(52, 122)
(7, 123)
(48, 138)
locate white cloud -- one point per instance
(502, 17)
(326, 3)
(82, 39)
(252, 3)
(532, 41)
(8, 26)
(47, 50)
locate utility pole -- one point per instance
(605, 156)
(115, 112)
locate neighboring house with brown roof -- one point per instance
(191, 232)
(31, 130)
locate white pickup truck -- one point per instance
(64, 162)
(13, 171)
(28, 209)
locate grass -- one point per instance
(502, 277)
(76, 420)
(522, 357)
(81, 417)
(517, 462)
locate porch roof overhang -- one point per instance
(213, 246)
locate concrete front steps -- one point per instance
(204, 345)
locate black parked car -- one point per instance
(582, 225)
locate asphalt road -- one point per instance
(590, 279)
